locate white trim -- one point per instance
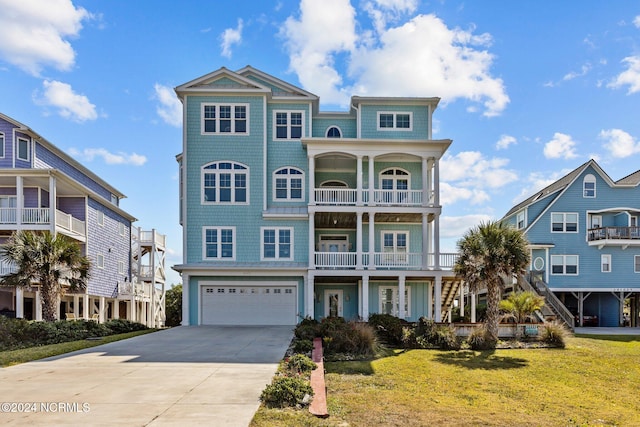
(395, 120)
(4, 145)
(217, 119)
(605, 259)
(277, 243)
(17, 153)
(100, 219)
(564, 265)
(326, 132)
(344, 240)
(288, 177)
(99, 260)
(395, 239)
(396, 299)
(564, 222)
(327, 306)
(588, 179)
(536, 265)
(274, 125)
(524, 219)
(394, 178)
(217, 172)
(219, 257)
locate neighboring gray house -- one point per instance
(585, 243)
(43, 188)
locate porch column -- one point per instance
(436, 182)
(19, 302)
(436, 241)
(85, 306)
(38, 306)
(359, 181)
(116, 309)
(425, 182)
(358, 240)
(312, 241)
(185, 301)
(425, 240)
(101, 310)
(437, 300)
(430, 180)
(372, 241)
(76, 306)
(52, 203)
(310, 294)
(19, 200)
(365, 298)
(401, 300)
(311, 179)
(462, 300)
(473, 307)
(430, 300)
(372, 184)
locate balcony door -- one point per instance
(8, 206)
(395, 183)
(334, 243)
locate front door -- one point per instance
(333, 303)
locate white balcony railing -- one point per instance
(398, 197)
(35, 216)
(382, 260)
(131, 289)
(68, 222)
(41, 216)
(335, 196)
(348, 196)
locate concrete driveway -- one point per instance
(186, 376)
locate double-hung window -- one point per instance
(390, 301)
(288, 184)
(277, 243)
(589, 186)
(288, 124)
(225, 182)
(605, 263)
(636, 263)
(395, 121)
(566, 265)
(562, 222)
(225, 119)
(219, 243)
(394, 247)
(520, 220)
(23, 149)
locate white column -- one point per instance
(19, 302)
(372, 241)
(358, 240)
(401, 300)
(437, 300)
(436, 182)
(473, 307)
(310, 309)
(425, 240)
(85, 306)
(430, 300)
(365, 298)
(311, 179)
(425, 182)
(462, 300)
(76, 306)
(38, 306)
(52, 203)
(360, 299)
(101, 310)
(185, 301)
(372, 184)
(312, 240)
(436, 241)
(359, 181)
(116, 308)
(19, 201)
(429, 180)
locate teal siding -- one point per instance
(347, 126)
(369, 125)
(350, 299)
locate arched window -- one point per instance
(225, 182)
(334, 132)
(589, 186)
(334, 184)
(394, 184)
(288, 184)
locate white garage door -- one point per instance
(246, 304)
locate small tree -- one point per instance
(54, 263)
(520, 306)
(488, 252)
(173, 305)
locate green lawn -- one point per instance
(14, 357)
(595, 381)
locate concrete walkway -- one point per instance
(186, 376)
(607, 331)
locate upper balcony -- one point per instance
(349, 197)
(613, 236)
(383, 261)
(40, 219)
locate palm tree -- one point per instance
(487, 253)
(54, 263)
(521, 305)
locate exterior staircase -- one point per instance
(553, 308)
(450, 291)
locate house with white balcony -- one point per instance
(291, 212)
(44, 189)
(584, 240)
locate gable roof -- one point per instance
(632, 179)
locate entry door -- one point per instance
(333, 303)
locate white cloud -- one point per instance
(34, 33)
(505, 141)
(420, 56)
(119, 158)
(450, 194)
(583, 71)
(619, 143)
(535, 182)
(561, 146)
(636, 21)
(629, 77)
(230, 37)
(456, 226)
(472, 169)
(70, 105)
(170, 107)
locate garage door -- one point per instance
(241, 304)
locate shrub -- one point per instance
(307, 329)
(300, 364)
(409, 337)
(122, 326)
(302, 346)
(479, 340)
(428, 334)
(355, 338)
(554, 333)
(388, 327)
(285, 392)
(173, 306)
(331, 326)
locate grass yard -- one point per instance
(14, 357)
(595, 381)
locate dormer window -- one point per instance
(395, 121)
(334, 132)
(520, 219)
(589, 186)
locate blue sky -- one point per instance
(530, 90)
